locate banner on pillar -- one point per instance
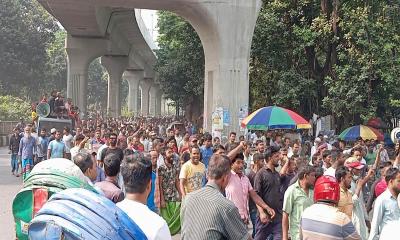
(217, 119)
(227, 117)
(242, 114)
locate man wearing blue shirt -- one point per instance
(386, 209)
(56, 147)
(42, 145)
(27, 147)
(206, 150)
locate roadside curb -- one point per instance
(4, 141)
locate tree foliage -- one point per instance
(180, 61)
(26, 32)
(13, 108)
(327, 57)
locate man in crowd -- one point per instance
(206, 213)
(67, 139)
(27, 147)
(267, 184)
(337, 160)
(386, 209)
(153, 195)
(87, 165)
(232, 144)
(206, 150)
(298, 197)
(56, 148)
(239, 189)
(112, 148)
(323, 220)
(110, 186)
(42, 145)
(170, 196)
(14, 148)
(192, 173)
(136, 172)
(350, 203)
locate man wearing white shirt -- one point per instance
(136, 173)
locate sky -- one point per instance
(150, 19)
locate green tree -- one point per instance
(27, 31)
(180, 63)
(13, 108)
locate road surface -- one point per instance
(9, 187)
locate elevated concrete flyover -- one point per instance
(225, 28)
(118, 35)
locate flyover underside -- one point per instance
(225, 28)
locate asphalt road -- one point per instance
(9, 186)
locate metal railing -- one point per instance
(6, 127)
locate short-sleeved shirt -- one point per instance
(324, 222)
(207, 214)
(111, 190)
(295, 202)
(267, 186)
(206, 154)
(57, 149)
(237, 191)
(67, 139)
(194, 174)
(169, 175)
(345, 204)
(153, 226)
(109, 150)
(150, 199)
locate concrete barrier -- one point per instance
(4, 141)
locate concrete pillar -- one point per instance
(158, 103)
(145, 86)
(80, 53)
(163, 106)
(227, 53)
(133, 78)
(153, 94)
(115, 66)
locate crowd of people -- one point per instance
(261, 185)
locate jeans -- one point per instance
(14, 163)
(274, 228)
(253, 218)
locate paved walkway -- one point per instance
(9, 187)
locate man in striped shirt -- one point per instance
(322, 220)
(206, 213)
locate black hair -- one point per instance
(208, 137)
(270, 151)
(219, 166)
(391, 174)
(112, 164)
(113, 134)
(306, 170)
(218, 147)
(239, 156)
(258, 156)
(67, 129)
(326, 153)
(83, 161)
(341, 172)
(79, 137)
(136, 172)
(234, 133)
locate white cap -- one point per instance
(317, 139)
(53, 130)
(325, 136)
